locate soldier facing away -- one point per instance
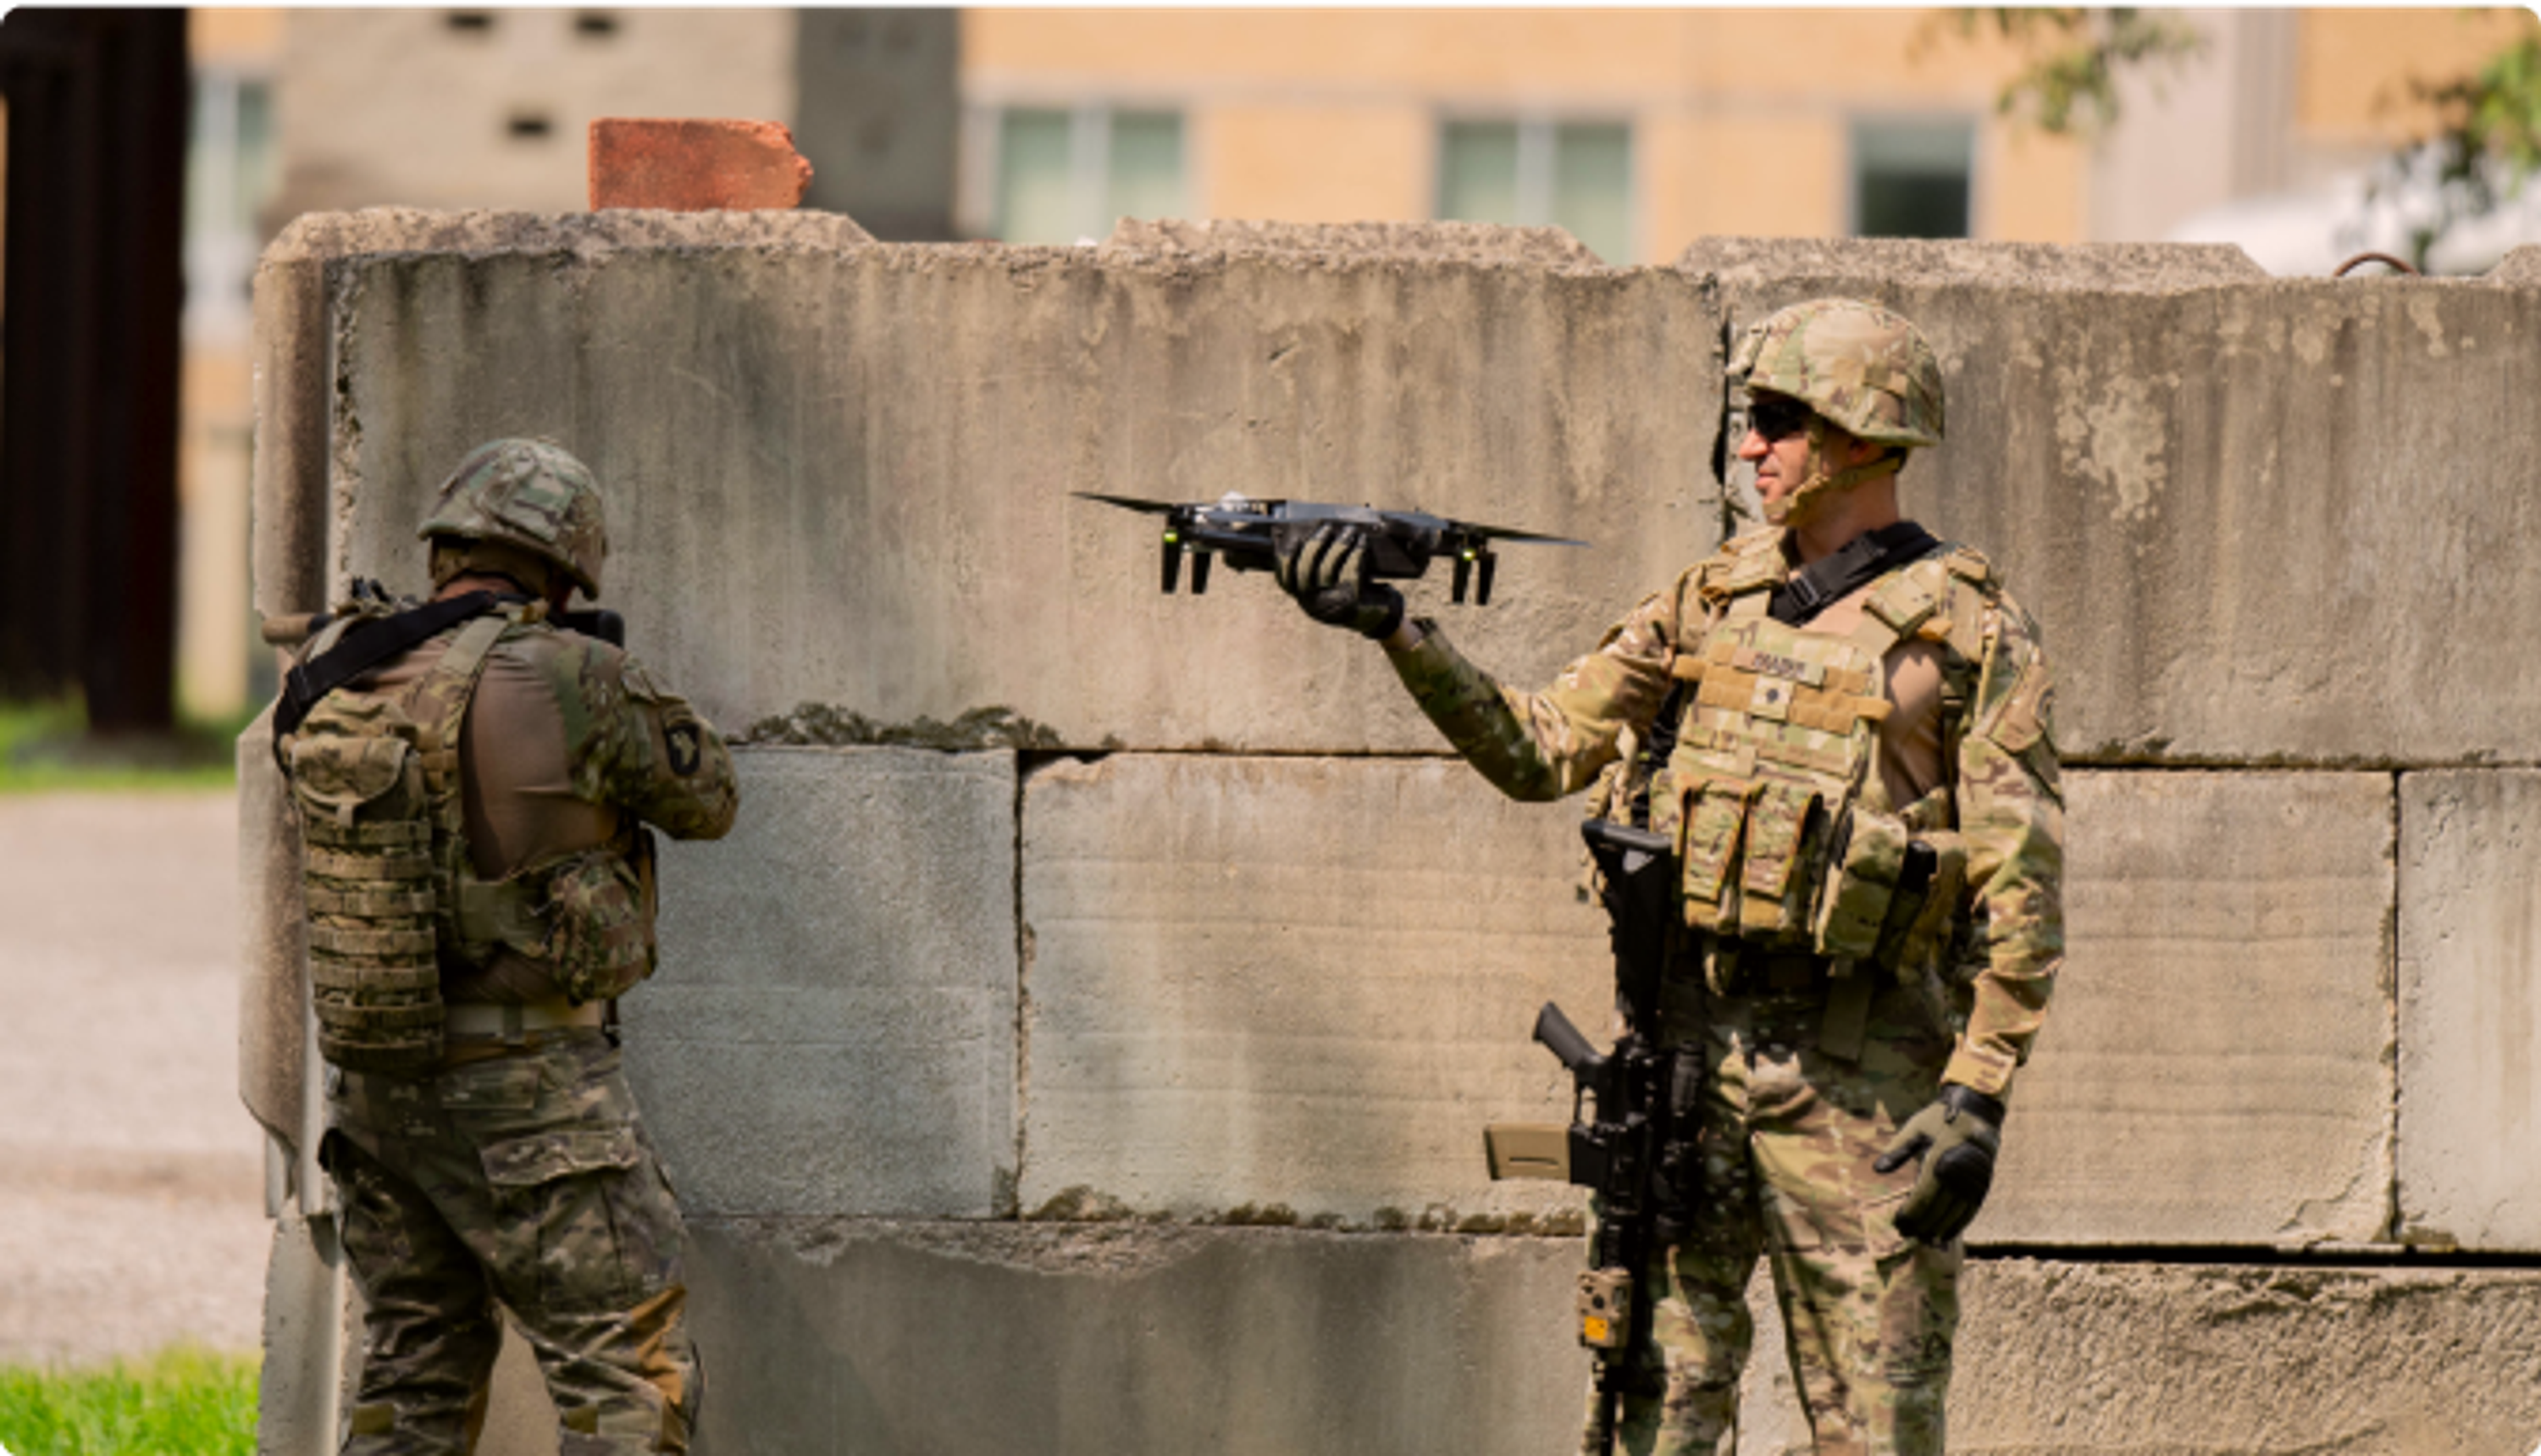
(1842, 726)
(472, 785)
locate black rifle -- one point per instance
(1249, 534)
(1636, 1153)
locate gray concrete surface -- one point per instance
(890, 436)
(869, 1336)
(2470, 1008)
(131, 1211)
(1295, 984)
(2217, 1064)
(833, 1029)
(274, 992)
(2212, 488)
(1133, 1337)
(2062, 1359)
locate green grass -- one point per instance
(47, 746)
(182, 1401)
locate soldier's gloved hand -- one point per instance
(1325, 570)
(1956, 1139)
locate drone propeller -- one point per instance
(1503, 533)
(1130, 502)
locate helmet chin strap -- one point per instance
(1818, 483)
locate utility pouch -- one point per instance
(1854, 904)
(1713, 823)
(357, 782)
(1786, 830)
(600, 922)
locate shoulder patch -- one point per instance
(686, 753)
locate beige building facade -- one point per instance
(1641, 130)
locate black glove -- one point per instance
(1956, 1139)
(1325, 570)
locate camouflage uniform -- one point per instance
(513, 1172)
(1792, 1114)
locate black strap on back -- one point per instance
(1833, 577)
(365, 645)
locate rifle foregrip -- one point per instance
(1565, 1040)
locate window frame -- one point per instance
(1536, 184)
(1859, 123)
(979, 194)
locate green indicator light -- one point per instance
(1171, 538)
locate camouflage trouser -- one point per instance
(523, 1180)
(1788, 1137)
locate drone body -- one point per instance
(1250, 533)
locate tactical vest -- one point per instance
(1787, 838)
(389, 890)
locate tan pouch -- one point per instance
(1714, 822)
(1786, 831)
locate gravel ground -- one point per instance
(132, 1179)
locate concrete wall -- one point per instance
(1132, 1077)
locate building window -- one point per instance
(1912, 178)
(1576, 176)
(1067, 175)
(229, 178)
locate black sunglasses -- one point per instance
(1776, 416)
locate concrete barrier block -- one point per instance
(889, 438)
(520, 1414)
(313, 1349)
(273, 985)
(2060, 1358)
(2469, 1009)
(2215, 1066)
(833, 1029)
(1298, 984)
(1121, 1338)
(2185, 472)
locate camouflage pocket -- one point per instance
(1855, 900)
(600, 926)
(582, 1220)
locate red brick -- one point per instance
(683, 165)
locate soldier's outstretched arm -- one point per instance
(1532, 746)
(2012, 810)
(643, 748)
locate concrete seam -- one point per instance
(342, 291)
(2256, 1255)
(2391, 1004)
(1023, 996)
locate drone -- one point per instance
(1249, 532)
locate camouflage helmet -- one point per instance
(531, 494)
(1865, 370)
